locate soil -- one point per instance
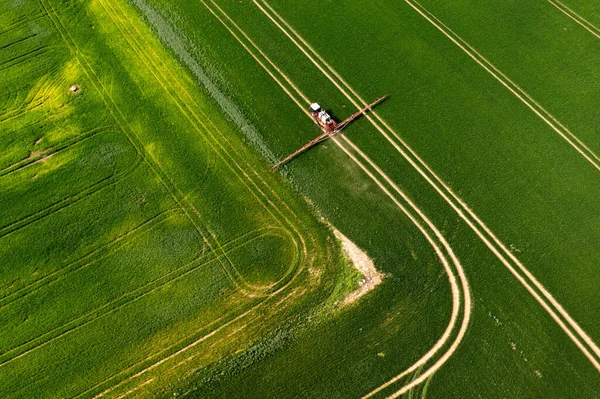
(364, 264)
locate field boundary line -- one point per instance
(193, 101)
(230, 270)
(261, 302)
(488, 240)
(456, 292)
(587, 25)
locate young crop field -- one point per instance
(146, 249)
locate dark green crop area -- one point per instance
(146, 250)
(499, 151)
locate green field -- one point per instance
(147, 250)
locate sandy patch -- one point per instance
(34, 154)
(365, 266)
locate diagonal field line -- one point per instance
(521, 94)
(455, 291)
(472, 220)
(465, 285)
(576, 17)
(575, 326)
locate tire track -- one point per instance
(124, 126)
(194, 120)
(115, 112)
(516, 268)
(112, 306)
(19, 40)
(242, 159)
(231, 271)
(457, 292)
(181, 348)
(52, 149)
(23, 58)
(517, 91)
(70, 200)
(17, 23)
(464, 288)
(95, 255)
(587, 25)
(151, 362)
(8, 116)
(15, 110)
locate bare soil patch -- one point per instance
(365, 266)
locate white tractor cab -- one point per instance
(322, 118)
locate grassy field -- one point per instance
(137, 230)
(488, 154)
(148, 252)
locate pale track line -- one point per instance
(178, 352)
(233, 148)
(467, 306)
(266, 198)
(515, 89)
(252, 170)
(132, 295)
(53, 149)
(70, 43)
(232, 272)
(461, 212)
(94, 254)
(587, 25)
(191, 100)
(197, 341)
(133, 138)
(452, 278)
(137, 388)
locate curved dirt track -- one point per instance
(443, 251)
(579, 337)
